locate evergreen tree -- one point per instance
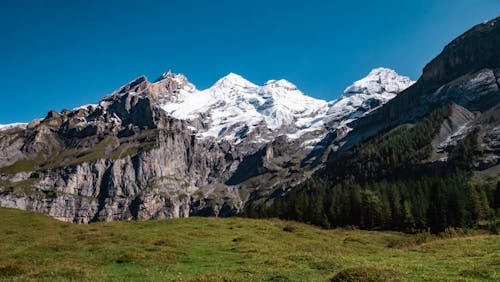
(496, 197)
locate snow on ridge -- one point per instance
(379, 80)
(281, 83)
(234, 108)
(20, 125)
(86, 107)
(235, 105)
(178, 77)
(231, 80)
(367, 94)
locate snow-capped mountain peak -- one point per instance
(232, 80)
(281, 83)
(165, 75)
(172, 81)
(234, 108)
(367, 94)
(378, 81)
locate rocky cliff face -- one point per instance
(466, 75)
(124, 159)
(472, 51)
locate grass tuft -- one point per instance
(10, 270)
(366, 274)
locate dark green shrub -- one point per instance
(363, 274)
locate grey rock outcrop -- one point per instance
(126, 159)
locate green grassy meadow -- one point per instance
(37, 247)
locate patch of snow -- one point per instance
(20, 125)
(91, 106)
(312, 142)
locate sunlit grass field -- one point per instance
(37, 247)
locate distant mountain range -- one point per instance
(165, 149)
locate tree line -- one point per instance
(386, 183)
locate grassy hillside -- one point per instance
(36, 247)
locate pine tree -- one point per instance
(437, 210)
(371, 209)
(496, 197)
(408, 220)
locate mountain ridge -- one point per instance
(166, 149)
(181, 83)
(128, 158)
(414, 164)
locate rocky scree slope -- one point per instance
(164, 149)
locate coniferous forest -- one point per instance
(385, 183)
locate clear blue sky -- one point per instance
(61, 54)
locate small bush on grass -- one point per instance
(10, 270)
(365, 274)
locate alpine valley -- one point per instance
(165, 149)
